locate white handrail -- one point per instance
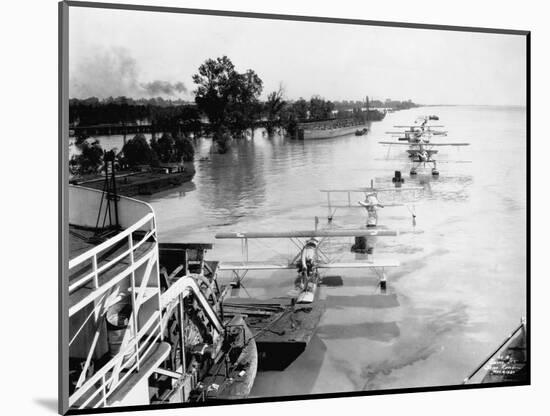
(116, 279)
(119, 357)
(97, 270)
(96, 389)
(111, 241)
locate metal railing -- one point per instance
(137, 342)
(99, 387)
(97, 269)
(101, 284)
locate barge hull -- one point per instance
(330, 133)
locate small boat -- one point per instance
(233, 381)
(361, 132)
(507, 364)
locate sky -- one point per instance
(146, 54)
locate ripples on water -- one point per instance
(461, 285)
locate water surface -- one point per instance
(461, 286)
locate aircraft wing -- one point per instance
(363, 204)
(361, 190)
(309, 234)
(342, 205)
(419, 126)
(447, 144)
(415, 151)
(400, 143)
(350, 190)
(360, 265)
(254, 265)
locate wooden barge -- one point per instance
(328, 129)
(145, 182)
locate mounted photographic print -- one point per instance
(262, 207)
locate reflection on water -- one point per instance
(411, 350)
(233, 186)
(377, 331)
(461, 285)
(361, 301)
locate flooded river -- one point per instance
(460, 288)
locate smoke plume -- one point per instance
(163, 87)
(114, 72)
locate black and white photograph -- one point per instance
(266, 207)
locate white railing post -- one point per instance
(133, 296)
(156, 248)
(103, 391)
(94, 266)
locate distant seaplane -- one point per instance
(310, 258)
(423, 152)
(421, 148)
(371, 202)
(420, 131)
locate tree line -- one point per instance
(169, 148)
(227, 98)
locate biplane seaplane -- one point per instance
(423, 121)
(421, 150)
(370, 203)
(310, 258)
(420, 131)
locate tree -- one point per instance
(165, 148)
(229, 99)
(292, 114)
(212, 93)
(173, 149)
(273, 108)
(222, 139)
(90, 158)
(244, 106)
(184, 148)
(189, 121)
(320, 109)
(300, 109)
(138, 152)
